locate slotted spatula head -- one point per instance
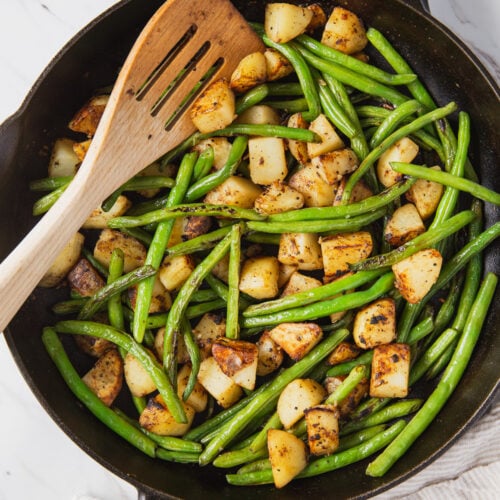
(181, 43)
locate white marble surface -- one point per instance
(37, 460)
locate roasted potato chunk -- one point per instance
(157, 418)
(250, 72)
(138, 380)
(330, 140)
(299, 283)
(278, 197)
(93, 346)
(390, 371)
(198, 399)
(296, 339)
(359, 192)
(64, 161)
(260, 114)
(99, 218)
(175, 270)
(404, 150)
(315, 190)
(426, 196)
(109, 239)
(181, 354)
(301, 250)
(344, 31)
(284, 21)
(319, 17)
(259, 277)
(88, 117)
(221, 147)
(267, 162)
(210, 327)
(322, 423)
(298, 149)
(404, 224)
(286, 271)
(234, 191)
(160, 298)
(277, 65)
(270, 354)
(84, 278)
(332, 166)
(375, 324)
(105, 378)
(345, 351)
(349, 403)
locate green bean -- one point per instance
(303, 74)
(233, 297)
(405, 130)
(116, 287)
(347, 76)
(182, 300)
(46, 202)
(192, 209)
(203, 296)
(356, 65)
(368, 407)
(237, 457)
(106, 415)
(255, 466)
(126, 342)
(447, 179)
(238, 422)
(326, 307)
(442, 362)
(199, 243)
(148, 182)
(177, 456)
(197, 310)
(285, 88)
(264, 130)
(156, 250)
(392, 121)
(252, 97)
(139, 234)
(90, 257)
(328, 463)
(346, 211)
(207, 183)
(449, 381)
(71, 306)
(314, 295)
(290, 106)
(420, 242)
(320, 226)
(260, 440)
(347, 366)
(395, 410)
(147, 206)
(115, 308)
(421, 330)
(50, 183)
(194, 356)
(203, 164)
(264, 238)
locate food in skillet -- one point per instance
(270, 291)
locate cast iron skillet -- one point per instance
(89, 62)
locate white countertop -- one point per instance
(37, 460)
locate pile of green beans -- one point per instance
(371, 109)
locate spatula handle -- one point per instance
(22, 270)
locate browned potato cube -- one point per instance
(426, 195)
(105, 378)
(99, 218)
(93, 346)
(267, 161)
(344, 31)
(234, 191)
(210, 326)
(221, 147)
(301, 250)
(360, 192)
(315, 190)
(109, 239)
(390, 371)
(298, 149)
(375, 324)
(296, 339)
(332, 166)
(284, 21)
(342, 249)
(250, 72)
(157, 418)
(88, 117)
(175, 270)
(181, 354)
(278, 66)
(347, 405)
(160, 298)
(270, 354)
(319, 17)
(260, 114)
(278, 197)
(198, 399)
(345, 351)
(322, 423)
(84, 278)
(81, 148)
(286, 270)
(404, 150)
(404, 224)
(259, 277)
(299, 283)
(416, 274)
(330, 139)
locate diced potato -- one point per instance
(404, 150)
(84, 278)
(238, 359)
(375, 324)
(299, 283)
(196, 225)
(133, 250)
(156, 418)
(160, 297)
(138, 380)
(181, 354)
(221, 269)
(63, 161)
(322, 423)
(334, 165)
(223, 388)
(267, 162)
(390, 371)
(426, 195)
(93, 346)
(81, 148)
(259, 277)
(210, 327)
(175, 270)
(404, 224)
(250, 72)
(198, 399)
(177, 232)
(284, 21)
(221, 147)
(87, 118)
(105, 378)
(344, 31)
(214, 109)
(260, 114)
(330, 140)
(98, 218)
(296, 397)
(316, 191)
(277, 65)
(278, 197)
(319, 17)
(288, 456)
(270, 355)
(286, 270)
(63, 263)
(234, 191)
(298, 149)
(342, 249)
(416, 274)
(359, 192)
(352, 400)
(345, 351)
(301, 250)
(296, 339)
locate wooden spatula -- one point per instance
(185, 38)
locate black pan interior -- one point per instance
(91, 61)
